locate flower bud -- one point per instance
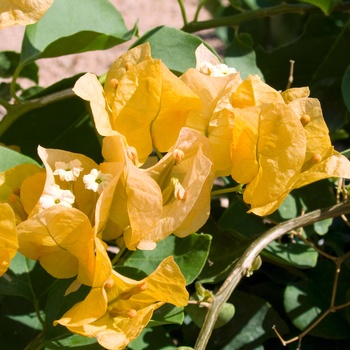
(114, 82)
(178, 156)
(305, 119)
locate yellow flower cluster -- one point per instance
(204, 124)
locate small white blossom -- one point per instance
(55, 195)
(218, 70)
(68, 171)
(96, 180)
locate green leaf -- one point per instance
(198, 314)
(250, 326)
(58, 336)
(297, 254)
(173, 46)
(19, 324)
(224, 251)
(240, 54)
(17, 281)
(190, 253)
(151, 339)
(167, 314)
(50, 127)
(317, 195)
(345, 87)
(72, 27)
(322, 55)
(73, 341)
(9, 60)
(325, 5)
(10, 158)
(236, 218)
(307, 299)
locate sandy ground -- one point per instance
(149, 13)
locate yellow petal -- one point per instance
(194, 173)
(22, 12)
(316, 130)
(8, 237)
(89, 88)
(253, 92)
(281, 149)
(333, 165)
(123, 63)
(62, 239)
(295, 93)
(213, 120)
(151, 105)
(245, 164)
(84, 200)
(137, 198)
(95, 304)
(11, 191)
(131, 305)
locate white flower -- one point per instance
(68, 171)
(218, 70)
(54, 195)
(96, 180)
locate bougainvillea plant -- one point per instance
(185, 199)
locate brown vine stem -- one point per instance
(246, 261)
(332, 307)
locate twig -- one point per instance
(245, 262)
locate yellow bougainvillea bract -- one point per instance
(22, 12)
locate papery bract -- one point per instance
(186, 213)
(62, 239)
(22, 12)
(94, 204)
(21, 187)
(280, 142)
(130, 305)
(214, 120)
(137, 203)
(149, 105)
(8, 237)
(94, 305)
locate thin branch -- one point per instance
(183, 12)
(252, 15)
(245, 262)
(199, 7)
(17, 110)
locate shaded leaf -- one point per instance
(190, 254)
(173, 46)
(240, 55)
(9, 60)
(325, 5)
(346, 88)
(250, 326)
(198, 314)
(224, 251)
(307, 299)
(297, 254)
(167, 314)
(51, 128)
(152, 338)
